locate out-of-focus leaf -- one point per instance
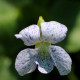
(8, 16)
(5, 73)
(8, 13)
(2, 49)
(72, 75)
(20, 3)
(73, 42)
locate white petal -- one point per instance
(30, 35)
(45, 63)
(61, 59)
(18, 35)
(53, 31)
(25, 61)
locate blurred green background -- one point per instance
(18, 14)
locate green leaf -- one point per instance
(5, 73)
(73, 42)
(8, 17)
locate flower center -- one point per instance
(42, 44)
(43, 48)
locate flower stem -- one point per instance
(40, 20)
(39, 24)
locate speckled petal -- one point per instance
(30, 35)
(25, 61)
(45, 63)
(61, 59)
(53, 31)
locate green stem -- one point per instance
(39, 24)
(40, 20)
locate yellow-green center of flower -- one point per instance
(43, 48)
(41, 44)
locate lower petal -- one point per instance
(45, 63)
(25, 61)
(61, 59)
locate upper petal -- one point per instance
(25, 61)
(30, 35)
(53, 31)
(61, 59)
(45, 63)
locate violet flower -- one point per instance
(45, 55)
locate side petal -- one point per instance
(25, 61)
(61, 59)
(45, 63)
(53, 31)
(30, 35)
